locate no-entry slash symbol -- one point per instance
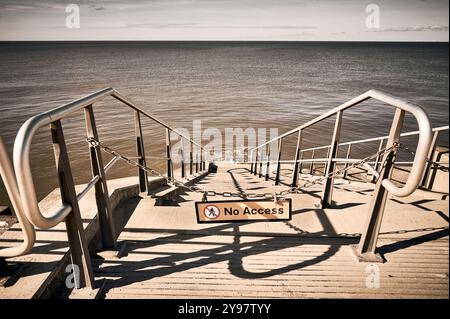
(211, 212)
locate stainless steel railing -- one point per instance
(423, 145)
(312, 160)
(22, 153)
(366, 249)
(23, 194)
(9, 179)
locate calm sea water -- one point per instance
(265, 85)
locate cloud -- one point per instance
(96, 7)
(200, 26)
(414, 29)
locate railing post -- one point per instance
(143, 176)
(297, 157)
(377, 160)
(183, 169)
(325, 165)
(347, 156)
(105, 215)
(300, 165)
(261, 165)
(251, 162)
(196, 159)
(277, 176)
(169, 158)
(328, 187)
(367, 245)
(191, 159)
(268, 162)
(256, 162)
(201, 159)
(426, 171)
(311, 166)
(81, 260)
(204, 161)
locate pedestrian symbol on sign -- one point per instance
(211, 212)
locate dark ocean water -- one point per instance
(226, 85)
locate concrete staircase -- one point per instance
(169, 255)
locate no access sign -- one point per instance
(243, 210)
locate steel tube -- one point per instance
(330, 166)
(88, 187)
(111, 163)
(429, 157)
(140, 151)
(128, 102)
(9, 180)
(277, 174)
(423, 145)
(371, 170)
(347, 156)
(369, 237)
(295, 171)
(374, 139)
(311, 166)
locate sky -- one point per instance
(241, 20)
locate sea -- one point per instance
(225, 85)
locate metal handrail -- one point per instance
(9, 180)
(368, 140)
(423, 145)
(22, 153)
(374, 139)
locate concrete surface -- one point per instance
(169, 255)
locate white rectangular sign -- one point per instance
(243, 210)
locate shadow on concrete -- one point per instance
(413, 241)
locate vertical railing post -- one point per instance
(80, 258)
(183, 168)
(169, 158)
(328, 187)
(347, 156)
(325, 165)
(196, 159)
(426, 171)
(204, 161)
(105, 215)
(256, 162)
(368, 242)
(143, 176)
(268, 162)
(297, 158)
(201, 159)
(277, 175)
(311, 166)
(377, 160)
(261, 164)
(300, 165)
(191, 159)
(251, 162)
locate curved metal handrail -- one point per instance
(423, 145)
(7, 174)
(22, 153)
